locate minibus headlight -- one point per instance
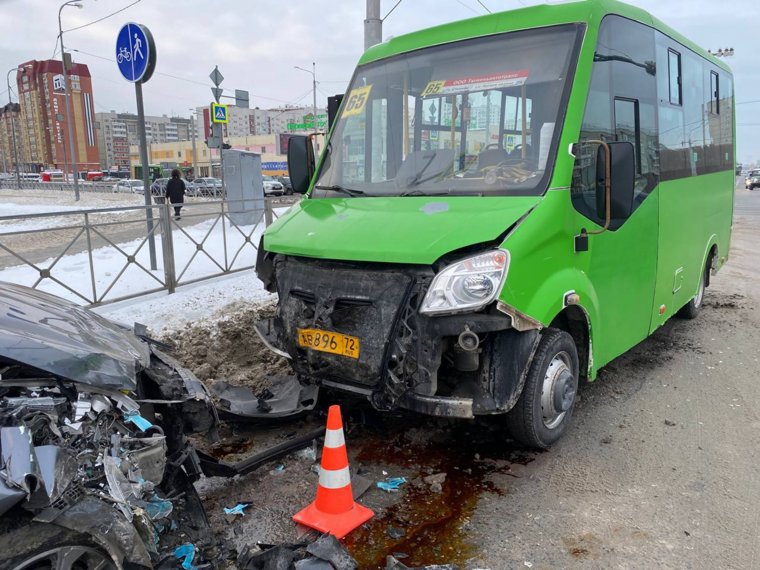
(468, 284)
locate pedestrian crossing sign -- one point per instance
(219, 113)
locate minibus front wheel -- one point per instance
(543, 412)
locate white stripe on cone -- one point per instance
(334, 438)
(334, 479)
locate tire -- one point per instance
(539, 419)
(691, 309)
(37, 546)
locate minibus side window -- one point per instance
(621, 106)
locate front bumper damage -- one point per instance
(406, 359)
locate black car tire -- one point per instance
(36, 545)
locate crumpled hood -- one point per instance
(62, 338)
(411, 229)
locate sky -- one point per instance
(257, 43)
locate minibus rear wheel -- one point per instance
(543, 412)
(691, 309)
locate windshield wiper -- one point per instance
(341, 189)
(416, 192)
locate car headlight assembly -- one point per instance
(468, 284)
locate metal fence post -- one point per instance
(89, 255)
(267, 213)
(167, 247)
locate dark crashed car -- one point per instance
(96, 469)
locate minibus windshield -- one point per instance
(478, 116)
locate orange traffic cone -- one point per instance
(334, 510)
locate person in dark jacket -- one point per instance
(175, 191)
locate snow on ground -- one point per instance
(202, 301)
(22, 223)
(115, 278)
(62, 200)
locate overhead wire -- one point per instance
(390, 11)
(470, 8)
(103, 18)
(485, 7)
(194, 82)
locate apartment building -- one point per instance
(10, 119)
(44, 119)
(118, 131)
(245, 122)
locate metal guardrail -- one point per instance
(84, 186)
(99, 256)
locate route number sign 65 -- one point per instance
(356, 101)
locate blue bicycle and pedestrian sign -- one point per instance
(135, 53)
(136, 58)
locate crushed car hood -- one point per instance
(411, 229)
(64, 339)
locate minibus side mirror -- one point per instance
(621, 174)
(300, 162)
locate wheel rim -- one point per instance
(700, 292)
(558, 390)
(68, 558)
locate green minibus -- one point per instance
(503, 206)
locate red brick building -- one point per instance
(44, 116)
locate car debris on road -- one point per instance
(95, 460)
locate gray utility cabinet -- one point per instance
(245, 187)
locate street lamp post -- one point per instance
(67, 93)
(314, 92)
(13, 126)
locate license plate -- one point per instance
(325, 341)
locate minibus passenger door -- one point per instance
(621, 253)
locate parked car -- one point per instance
(752, 180)
(272, 187)
(286, 184)
(158, 188)
(129, 185)
(52, 176)
(205, 187)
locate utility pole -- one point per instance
(373, 25)
(314, 96)
(67, 92)
(192, 137)
(13, 125)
